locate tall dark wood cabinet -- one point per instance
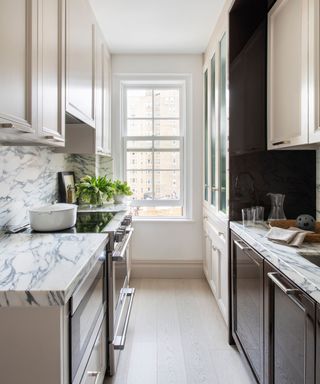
(254, 171)
(290, 328)
(318, 345)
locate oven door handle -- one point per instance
(119, 255)
(120, 341)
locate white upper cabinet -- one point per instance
(102, 102)
(288, 74)
(32, 71)
(293, 74)
(106, 136)
(18, 65)
(51, 85)
(80, 60)
(314, 71)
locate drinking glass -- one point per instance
(259, 214)
(248, 217)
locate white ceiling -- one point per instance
(157, 26)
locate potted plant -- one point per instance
(121, 191)
(95, 190)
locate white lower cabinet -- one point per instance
(215, 264)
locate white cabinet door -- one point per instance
(288, 74)
(18, 64)
(314, 71)
(99, 92)
(219, 283)
(102, 102)
(80, 59)
(207, 268)
(216, 263)
(51, 84)
(106, 138)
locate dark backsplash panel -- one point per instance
(292, 173)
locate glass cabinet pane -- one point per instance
(213, 130)
(223, 124)
(206, 138)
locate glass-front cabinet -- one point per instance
(206, 137)
(216, 130)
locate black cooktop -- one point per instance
(93, 222)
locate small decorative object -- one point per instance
(122, 190)
(95, 190)
(306, 222)
(276, 212)
(67, 190)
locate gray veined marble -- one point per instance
(28, 177)
(45, 269)
(303, 273)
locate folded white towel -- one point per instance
(293, 236)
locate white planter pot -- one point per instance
(51, 218)
(120, 199)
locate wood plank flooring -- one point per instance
(177, 336)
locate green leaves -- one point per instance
(122, 188)
(96, 190)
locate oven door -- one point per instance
(87, 312)
(122, 300)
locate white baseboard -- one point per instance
(167, 269)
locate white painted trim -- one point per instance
(167, 269)
(170, 78)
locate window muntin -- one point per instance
(153, 143)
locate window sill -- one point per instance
(163, 219)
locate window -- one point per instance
(153, 135)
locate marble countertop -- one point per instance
(45, 269)
(302, 272)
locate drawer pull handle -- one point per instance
(287, 291)
(242, 246)
(54, 138)
(120, 341)
(95, 374)
(6, 125)
(281, 142)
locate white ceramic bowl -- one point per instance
(51, 218)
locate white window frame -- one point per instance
(169, 84)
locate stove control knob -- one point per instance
(119, 235)
(127, 220)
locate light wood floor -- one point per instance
(177, 336)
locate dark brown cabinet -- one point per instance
(289, 331)
(318, 345)
(247, 303)
(248, 96)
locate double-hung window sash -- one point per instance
(153, 143)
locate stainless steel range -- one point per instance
(120, 295)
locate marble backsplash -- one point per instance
(28, 177)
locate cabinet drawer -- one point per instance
(96, 367)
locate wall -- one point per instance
(28, 177)
(166, 242)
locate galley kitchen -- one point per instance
(159, 192)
